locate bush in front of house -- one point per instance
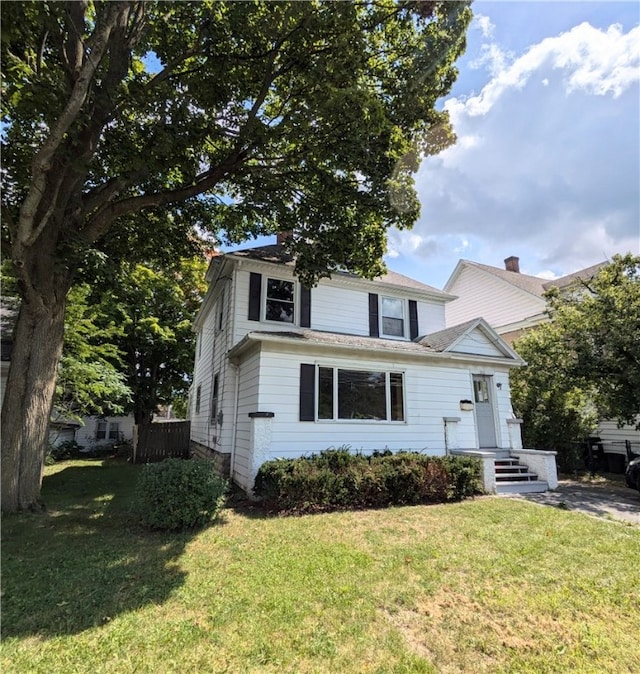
(337, 479)
(69, 449)
(179, 494)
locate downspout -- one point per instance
(234, 429)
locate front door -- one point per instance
(484, 410)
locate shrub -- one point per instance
(337, 479)
(68, 449)
(179, 494)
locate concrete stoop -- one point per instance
(513, 477)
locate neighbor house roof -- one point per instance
(580, 275)
(531, 284)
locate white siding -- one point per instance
(431, 393)
(86, 434)
(248, 386)
(431, 317)
(478, 343)
(614, 437)
(481, 295)
(339, 309)
(201, 428)
(211, 359)
(334, 308)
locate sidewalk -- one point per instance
(611, 502)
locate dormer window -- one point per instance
(392, 314)
(279, 304)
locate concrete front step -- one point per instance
(516, 477)
(535, 486)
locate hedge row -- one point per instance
(337, 479)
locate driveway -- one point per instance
(611, 502)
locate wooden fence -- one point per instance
(159, 441)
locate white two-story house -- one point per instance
(282, 370)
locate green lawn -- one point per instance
(491, 585)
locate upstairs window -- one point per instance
(275, 300)
(390, 317)
(280, 304)
(392, 314)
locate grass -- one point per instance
(490, 585)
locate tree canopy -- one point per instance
(257, 117)
(90, 380)
(235, 118)
(155, 308)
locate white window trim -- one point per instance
(264, 298)
(405, 321)
(337, 420)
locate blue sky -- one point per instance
(547, 165)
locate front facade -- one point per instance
(284, 371)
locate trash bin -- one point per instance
(615, 463)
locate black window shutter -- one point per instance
(307, 392)
(255, 294)
(305, 307)
(413, 319)
(373, 315)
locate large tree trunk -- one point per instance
(26, 410)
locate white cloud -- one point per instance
(547, 157)
(546, 274)
(483, 24)
(595, 61)
(493, 57)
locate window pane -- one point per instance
(114, 428)
(392, 326)
(101, 430)
(397, 396)
(392, 307)
(361, 395)
(480, 390)
(279, 311)
(325, 393)
(392, 317)
(280, 290)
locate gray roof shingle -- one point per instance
(534, 284)
(276, 254)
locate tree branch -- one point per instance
(43, 159)
(98, 224)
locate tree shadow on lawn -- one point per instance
(86, 560)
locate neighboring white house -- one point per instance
(97, 431)
(511, 303)
(508, 300)
(283, 371)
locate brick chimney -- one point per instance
(512, 264)
(281, 237)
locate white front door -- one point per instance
(482, 393)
